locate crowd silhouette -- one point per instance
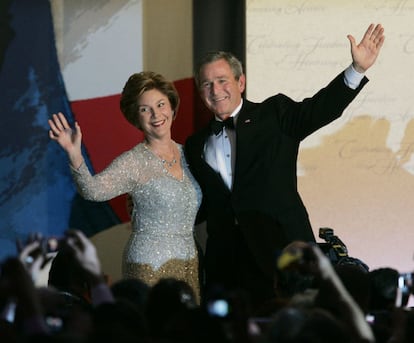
(316, 300)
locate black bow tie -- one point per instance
(217, 126)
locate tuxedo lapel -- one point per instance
(246, 129)
(246, 122)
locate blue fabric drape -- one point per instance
(37, 193)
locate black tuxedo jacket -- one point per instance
(264, 200)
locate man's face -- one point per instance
(219, 89)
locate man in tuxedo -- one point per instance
(245, 162)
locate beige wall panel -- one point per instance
(167, 31)
(357, 174)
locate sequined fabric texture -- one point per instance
(162, 242)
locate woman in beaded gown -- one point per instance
(155, 174)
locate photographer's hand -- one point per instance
(351, 312)
(17, 283)
(86, 256)
(33, 255)
(308, 258)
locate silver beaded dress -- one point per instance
(162, 241)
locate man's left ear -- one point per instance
(242, 83)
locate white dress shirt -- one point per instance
(218, 153)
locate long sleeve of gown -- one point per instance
(118, 178)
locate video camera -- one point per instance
(336, 250)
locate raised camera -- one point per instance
(336, 250)
(52, 244)
(404, 289)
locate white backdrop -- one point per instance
(99, 44)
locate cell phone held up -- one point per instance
(404, 289)
(52, 244)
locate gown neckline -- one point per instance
(159, 159)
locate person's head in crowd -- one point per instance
(294, 325)
(197, 325)
(65, 315)
(133, 290)
(357, 283)
(66, 276)
(291, 275)
(384, 283)
(120, 322)
(166, 299)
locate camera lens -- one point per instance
(219, 308)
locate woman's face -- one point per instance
(155, 114)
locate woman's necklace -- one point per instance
(169, 164)
(165, 162)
